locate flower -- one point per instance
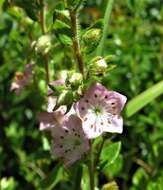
(100, 110)
(22, 79)
(52, 118)
(69, 141)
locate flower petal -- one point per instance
(69, 142)
(47, 120)
(115, 125)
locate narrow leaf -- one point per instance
(106, 25)
(144, 98)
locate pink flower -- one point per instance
(100, 110)
(50, 118)
(22, 79)
(69, 141)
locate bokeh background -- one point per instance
(135, 36)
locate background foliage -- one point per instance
(134, 36)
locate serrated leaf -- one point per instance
(110, 153)
(137, 103)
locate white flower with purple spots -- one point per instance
(69, 141)
(100, 110)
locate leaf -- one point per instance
(110, 153)
(140, 178)
(111, 170)
(144, 98)
(106, 25)
(56, 89)
(30, 7)
(53, 178)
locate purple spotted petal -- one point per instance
(115, 125)
(70, 142)
(98, 108)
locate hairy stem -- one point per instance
(76, 44)
(43, 28)
(91, 169)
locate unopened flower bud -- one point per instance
(75, 79)
(65, 98)
(43, 44)
(92, 34)
(63, 74)
(98, 66)
(91, 39)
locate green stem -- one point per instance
(77, 178)
(91, 169)
(76, 44)
(99, 151)
(43, 28)
(107, 17)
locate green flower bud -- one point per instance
(75, 79)
(110, 58)
(65, 98)
(92, 35)
(91, 39)
(111, 186)
(43, 44)
(98, 66)
(63, 74)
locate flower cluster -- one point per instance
(98, 111)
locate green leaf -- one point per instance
(111, 170)
(31, 7)
(140, 178)
(53, 178)
(56, 89)
(106, 25)
(144, 98)
(110, 153)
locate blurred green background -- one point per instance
(135, 36)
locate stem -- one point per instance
(76, 44)
(91, 168)
(107, 17)
(43, 28)
(77, 179)
(100, 150)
